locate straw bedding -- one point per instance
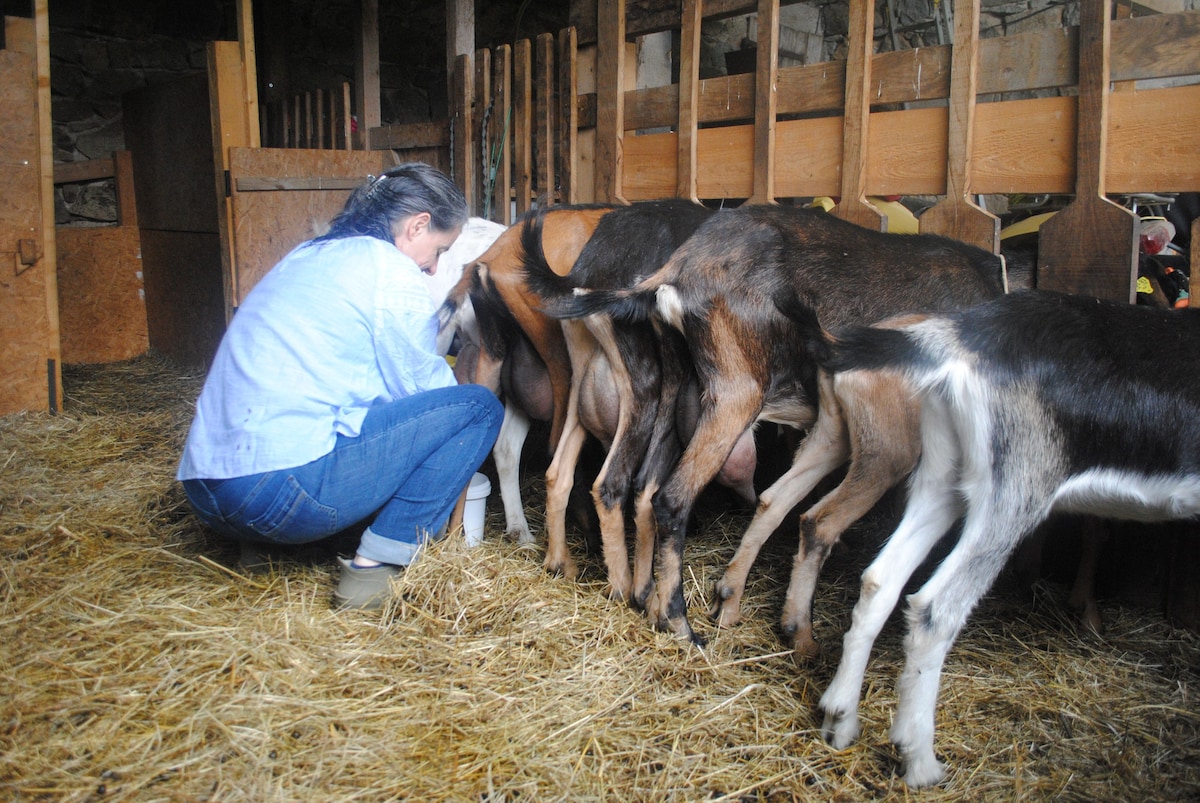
(138, 663)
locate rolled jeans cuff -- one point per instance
(389, 550)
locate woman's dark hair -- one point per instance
(400, 192)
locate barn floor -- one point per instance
(139, 664)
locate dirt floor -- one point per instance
(140, 664)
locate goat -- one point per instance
(627, 381)
(1031, 403)
(517, 351)
(721, 289)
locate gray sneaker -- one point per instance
(364, 588)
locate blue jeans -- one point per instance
(406, 468)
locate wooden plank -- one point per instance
(86, 170)
(568, 116)
(481, 105)
(247, 57)
(501, 137)
(403, 136)
(854, 205)
(462, 144)
(344, 119)
(366, 68)
(293, 183)
(230, 129)
(689, 99)
(766, 69)
(522, 128)
(957, 215)
(610, 100)
(126, 196)
(1147, 151)
(1091, 246)
(544, 116)
(102, 306)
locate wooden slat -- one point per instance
(501, 135)
(610, 100)
(765, 101)
(1091, 246)
(568, 115)
(87, 170)
(522, 127)
(344, 121)
(957, 215)
(853, 205)
(463, 134)
(689, 98)
(545, 113)
(285, 183)
(481, 110)
(410, 135)
(126, 199)
(249, 77)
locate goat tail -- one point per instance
(562, 297)
(857, 347)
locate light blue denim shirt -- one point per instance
(336, 327)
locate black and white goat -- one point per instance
(1031, 403)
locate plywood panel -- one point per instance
(268, 224)
(24, 318)
(102, 303)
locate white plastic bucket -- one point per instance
(477, 494)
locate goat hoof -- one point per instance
(566, 569)
(806, 649)
(726, 611)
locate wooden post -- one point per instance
(460, 41)
(689, 99)
(366, 71)
(482, 105)
(610, 99)
(854, 205)
(765, 94)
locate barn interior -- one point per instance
(160, 159)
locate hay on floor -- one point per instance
(138, 663)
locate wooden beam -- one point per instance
(463, 132)
(480, 126)
(500, 137)
(765, 101)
